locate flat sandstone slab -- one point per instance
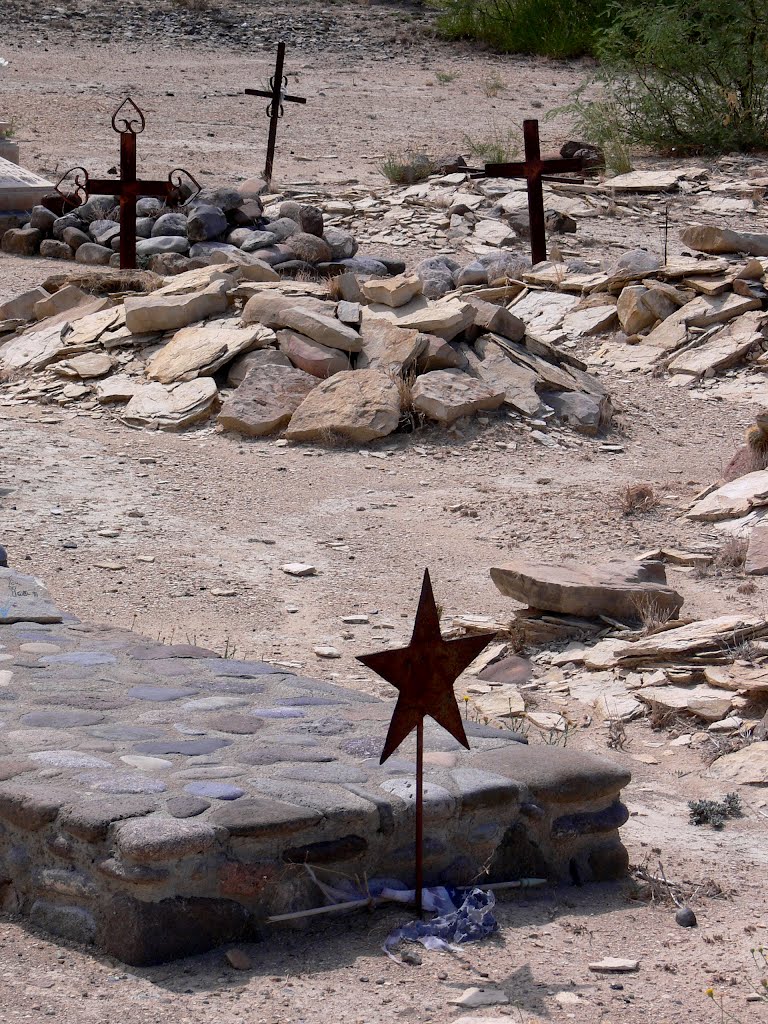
(156, 800)
(735, 498)
(617, 589)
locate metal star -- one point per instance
(424, 672)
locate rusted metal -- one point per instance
(534, 170)
(424, 673)
(419, 858)
(128, 121)
(277, 97)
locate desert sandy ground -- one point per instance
(219, 513)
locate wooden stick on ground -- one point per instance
(373, 901)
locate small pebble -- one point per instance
(326, 652)
(686, 918)
(238, 959)
(299, 569)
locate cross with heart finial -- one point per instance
(128, 121)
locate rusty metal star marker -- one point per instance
(424, 672)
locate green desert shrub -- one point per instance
(685, 76)
(715, 812)
(551, 28)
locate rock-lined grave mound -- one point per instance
(270, 355)
(157, 800)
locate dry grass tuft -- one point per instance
(515, 636)
(498, 147)
(651, 614)
(308, 277)
(493, 84)
(617, 735)
(331, 439)
(410, 419)
(404, 383)
(653, 886)
(407, 168)
(732, 554)
(334, 288)
(636, 499)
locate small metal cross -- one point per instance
(128, 121)
(534, 170)
(277, 97)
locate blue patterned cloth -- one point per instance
(471, 922)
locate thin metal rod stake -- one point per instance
(419, 814)
(666, 232)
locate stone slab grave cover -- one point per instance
(20, 189)
(157, 801)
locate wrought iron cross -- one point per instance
(534, 170)
(128, 121)
(424, 672)
(277, 97)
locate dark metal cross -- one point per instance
(277, 97)
(128, 121)
(424, 673)
(534, 170)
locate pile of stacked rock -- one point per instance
(288, 235)
(353, 357)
